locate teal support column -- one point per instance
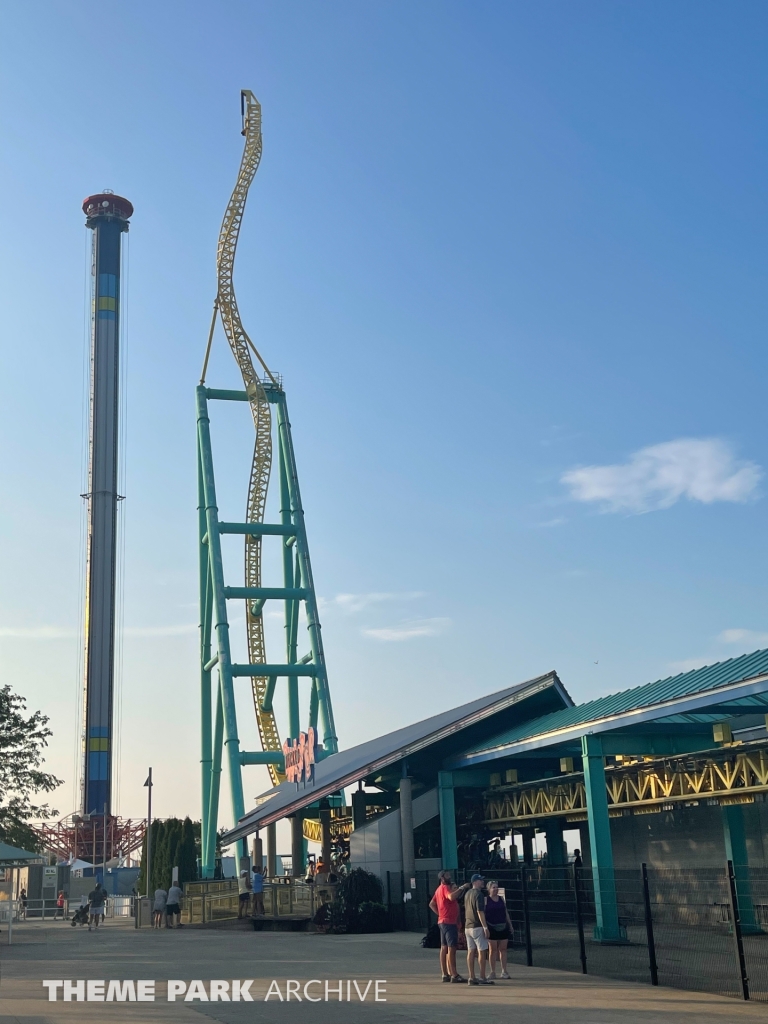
(556, 858)
(212, 818)
(298, 846)
(221, 625)
(736, 852)
(553, 830)
(291, 605)
(607, 928)
(447, 807)
(205, 674)
(330, 741)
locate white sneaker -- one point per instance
(505, 975)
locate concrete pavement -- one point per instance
(409, 991)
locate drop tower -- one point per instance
(107, 215)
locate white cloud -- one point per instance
(747, 637)
(700, 469)
(356, 602)
(409, 630)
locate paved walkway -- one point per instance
(414, 993)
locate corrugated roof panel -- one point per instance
(684, 684)
(356, 761)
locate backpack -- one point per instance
(432, 939)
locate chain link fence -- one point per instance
(696, 929)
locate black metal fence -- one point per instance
(701, 929)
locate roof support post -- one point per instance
(553, 830)
(298, 845)
(272, 850)
(736, 851)
(607, 928)
(325, 836)
(447, 807)
(406, 830)
(556, 858)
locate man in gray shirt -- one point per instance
(173, 906)
(476, 931)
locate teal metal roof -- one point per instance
(13, 855)
(686, 684)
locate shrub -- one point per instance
(372, 917)
(359, 906)
(359, 886)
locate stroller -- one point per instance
(81, 915)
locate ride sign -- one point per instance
(300, 757)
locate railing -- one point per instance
(288, 900)
(696, 928)
(49, 910)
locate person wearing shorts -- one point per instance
(258, 892)
(445, 903)
(158, 907)
(500, 926)
(476, 931)
(244, 890)
(96, 899)
(173, 906)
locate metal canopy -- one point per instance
(348, 766)
(714, 693)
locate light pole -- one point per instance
(148, 785)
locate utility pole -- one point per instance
(148, 785)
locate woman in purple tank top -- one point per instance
(500, 927)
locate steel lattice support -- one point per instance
(219, 728)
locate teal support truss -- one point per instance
(218, 673)
(607, 928)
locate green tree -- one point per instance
(141, 884)
(160, 867)
(22, 741)
(173, 846)
(187, 853)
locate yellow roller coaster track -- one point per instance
(242, 346)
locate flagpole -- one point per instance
(148, 784)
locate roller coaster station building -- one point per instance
(673, 773)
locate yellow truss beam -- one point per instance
(734, 778)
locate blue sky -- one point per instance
(510, 260)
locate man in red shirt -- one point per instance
(445, 904)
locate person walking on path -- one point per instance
(23, 904)
(244, 891)
(477, 931)
(500, 927)
(158, 909)
(173, 906)
(258, 891)
(96, 899)
(445, 903)
(59, 905)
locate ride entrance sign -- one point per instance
(301, 756)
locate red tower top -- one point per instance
(107, 204)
